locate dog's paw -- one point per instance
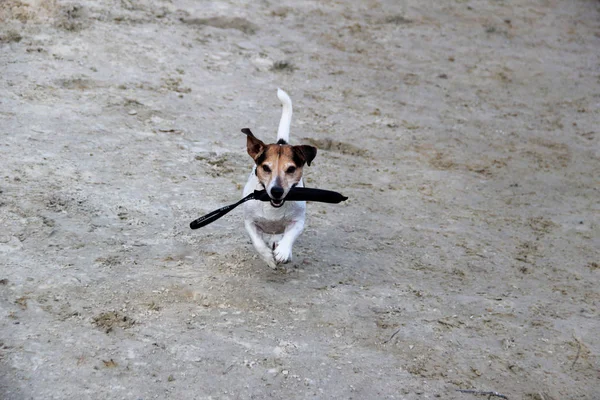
(272, 263)
(283, 253)
(270, 260)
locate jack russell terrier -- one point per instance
(274, 226)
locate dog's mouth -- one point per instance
(277, 203)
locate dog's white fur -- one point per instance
(274, 230)
(286, 116)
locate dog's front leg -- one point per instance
(283, 251)
(259, 244)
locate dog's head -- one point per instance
(278, 166)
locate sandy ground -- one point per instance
(464, 132)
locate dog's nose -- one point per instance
(277, 192)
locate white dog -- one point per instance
(274, 226)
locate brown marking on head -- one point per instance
(278, 164)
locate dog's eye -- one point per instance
(266, 169)
(290, 170)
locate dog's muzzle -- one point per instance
(277, 203)
(277, 191)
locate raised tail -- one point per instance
(283, 133)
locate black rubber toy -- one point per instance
(295, 194)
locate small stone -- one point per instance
(262, 64)
(132, 112)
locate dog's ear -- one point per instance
(255, 146)
(304, 154)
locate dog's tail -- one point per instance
(283, 133)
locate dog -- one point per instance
(274, 226)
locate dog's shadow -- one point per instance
(314, 253)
